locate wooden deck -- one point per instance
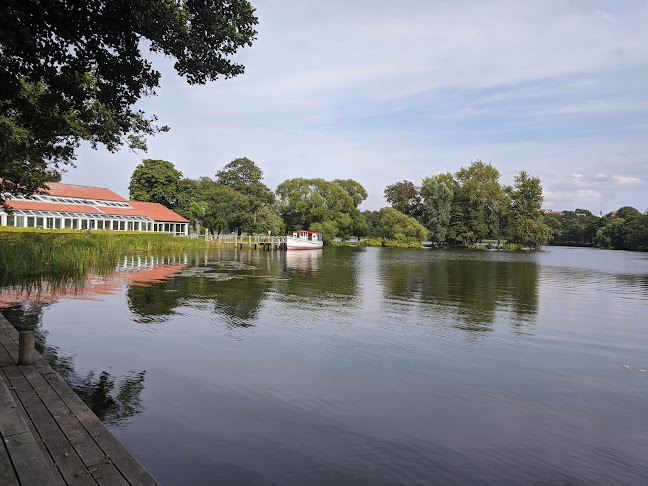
(49, 436)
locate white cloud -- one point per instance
(627, 180)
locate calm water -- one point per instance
(364, 366)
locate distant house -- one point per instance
(550, 211)
(69, 206)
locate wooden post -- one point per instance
(26, 348)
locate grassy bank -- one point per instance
(27, 254)
(408, 243)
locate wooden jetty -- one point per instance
(257, 242)
(49, 436)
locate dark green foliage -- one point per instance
(157, 181)
(627, 211)
(526, 224)
(582, 228)
(436, 207)
(404, 197)
(73, 70)
(319, 205)
(372, 220)
(226, 210)
(243, 176)
(400, 227)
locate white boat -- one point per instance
(304, 240)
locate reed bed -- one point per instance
(32, 254)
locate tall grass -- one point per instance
(27, 255)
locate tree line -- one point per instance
(624, 229)
(455, 208)
(461, 208)
(471, 205)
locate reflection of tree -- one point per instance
(237, 296)
(113, 407)
(25, 317)
(113, 401)
(334, 278)
(152, 302)
(468, 291)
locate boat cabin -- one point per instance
(307, 235)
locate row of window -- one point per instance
(65, 200)
(59, 214)
(84, 224)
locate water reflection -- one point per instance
(448, 290)
(367, 366)
(113, 400)
(313, 281)
(306, 260)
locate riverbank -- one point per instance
(28, 254)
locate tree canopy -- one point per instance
(404, 197)
(319, 205)
(400, 227)
(72, 71)
(156, 181)
(471, 205)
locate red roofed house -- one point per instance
(68, 206)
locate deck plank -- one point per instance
(27, 460)
(76, 434)
(32, 429)
(7, 473)
(11, 420)
(59, 447)
(124, 460)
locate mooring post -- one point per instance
(26, 348)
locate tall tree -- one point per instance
(528, 227)
(479, 202)
(246, 178)
(73, 70)
(353, 189)
(155, 181)
(227, 209)
(436, 207)
(404, 197)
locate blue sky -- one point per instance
(381, 91)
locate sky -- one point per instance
(383, 91)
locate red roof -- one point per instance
(154, 211)
(86, 192)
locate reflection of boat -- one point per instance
(308, 261)
(304, 240)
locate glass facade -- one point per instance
(24, 218)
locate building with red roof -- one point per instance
(70, 206)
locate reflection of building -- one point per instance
(68, 206)
(135, 270)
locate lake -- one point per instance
(362, 366)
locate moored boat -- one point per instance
(304, 240)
